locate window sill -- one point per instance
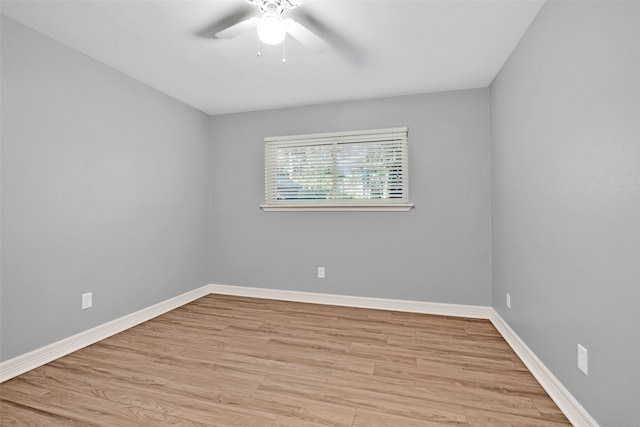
(391, 207)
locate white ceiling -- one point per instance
(379, 48)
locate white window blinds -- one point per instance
(343, 170)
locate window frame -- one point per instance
(388, 135)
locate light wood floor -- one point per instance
(230, 361)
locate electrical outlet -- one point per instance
(583, 361)
(320, 272)
(87, 300)
(508, 300)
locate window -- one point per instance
(360, 170)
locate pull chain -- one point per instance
(284, 51)
(284, 42)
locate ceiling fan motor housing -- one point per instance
(275, 6)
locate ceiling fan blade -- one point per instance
(238, 14)
(332, 36)
(237, 29)
(292, 4)
(305, 36)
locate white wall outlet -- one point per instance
(320, 272)
(87, 300)
(508, 300)
(583, 361)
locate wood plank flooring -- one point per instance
(232, 361)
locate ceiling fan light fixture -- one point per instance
(271, 29)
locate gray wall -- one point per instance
(439, 251)
(104, 189)
(566, 199)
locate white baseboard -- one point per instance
(458, 310)
(560, 395)
(28, 361)
(578, 416)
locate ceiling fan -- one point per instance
(272, 28)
